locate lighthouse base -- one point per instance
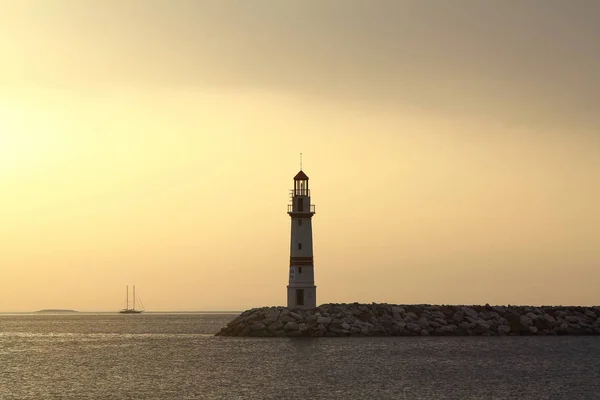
(302, 296)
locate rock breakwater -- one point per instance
(356, 319)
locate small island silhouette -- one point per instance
(56, 310)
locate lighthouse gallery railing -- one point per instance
(291, 209)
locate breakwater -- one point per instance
(374, 319)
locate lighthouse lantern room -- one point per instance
(301, 290)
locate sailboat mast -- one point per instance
(134, 297)
(126, 297)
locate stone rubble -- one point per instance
(332, 320)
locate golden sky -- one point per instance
(453, 150)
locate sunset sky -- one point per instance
(453, 149)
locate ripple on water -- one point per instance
(176, 357)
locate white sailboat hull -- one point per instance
(128, 310)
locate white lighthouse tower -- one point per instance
(301, 291)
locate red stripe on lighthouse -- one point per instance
(301, 261)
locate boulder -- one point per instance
(287, 318)
(533, 316)
(447, 329)
(291, 326)
(526, 321)
(275, 326)
(399, 310)
(504, 329)
(296, 316)
(423, 323)
(438, 315)
(457, 316)
(467, 325)
(470, 312)
(572, 319)
(433, 324)
(483, 324)
(411, 316)
(339, 330)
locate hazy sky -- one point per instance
(453, 149)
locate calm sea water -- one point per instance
(175, 356)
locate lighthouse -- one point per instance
(301, 290)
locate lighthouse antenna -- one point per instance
(300, 161)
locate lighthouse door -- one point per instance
(299, 297)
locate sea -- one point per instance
(177, 356)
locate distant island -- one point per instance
(55, 311)
(415, 320)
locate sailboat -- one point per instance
(132, 310)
